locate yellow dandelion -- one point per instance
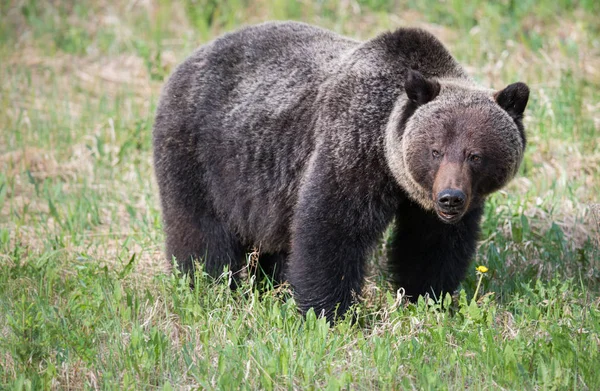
(482, 269)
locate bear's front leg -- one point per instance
(428, 256)
(335, 228)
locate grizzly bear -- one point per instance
(307, 145)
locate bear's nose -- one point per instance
(451, 199)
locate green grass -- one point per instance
(86, 299)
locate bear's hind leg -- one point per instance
(194, 232)
(429, 256)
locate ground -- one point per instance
(86, 300)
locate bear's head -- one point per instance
(449, 144)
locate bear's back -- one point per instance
(267, 63)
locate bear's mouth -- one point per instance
(449, 216)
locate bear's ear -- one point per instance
(420, 90)
(513, 99)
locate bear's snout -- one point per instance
(450, 191)
(451, 199)
(450, 205)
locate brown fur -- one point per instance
(307, 145)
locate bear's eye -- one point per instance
(435, 153)
(475, 158)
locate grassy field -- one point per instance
(87, 301)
